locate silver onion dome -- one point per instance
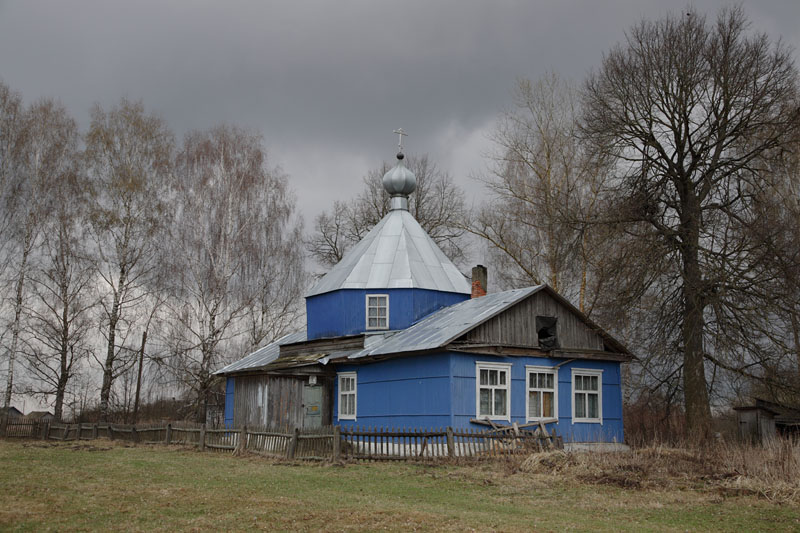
(399, 182)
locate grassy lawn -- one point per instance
(101, 486)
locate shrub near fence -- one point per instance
(328, 443)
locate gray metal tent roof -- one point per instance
(396, 253)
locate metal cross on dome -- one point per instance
(400, 134)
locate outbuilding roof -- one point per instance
(396, 253)
(263, 356)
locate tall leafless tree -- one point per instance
(544, 186)
(233, 263)
(691, 112)
(12, 146)
(62, 291)
(47, 154)
(437, 204)
(128, 156)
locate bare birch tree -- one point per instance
(437, 204)
(47, 155)
(544, 187)
(233, 262)
(63, 295)
(12, 175)
(128, 156)
(691, 112)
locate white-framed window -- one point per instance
(542, 398)
(347, 395)
(493, 390)
(377, 311)
(587, 395)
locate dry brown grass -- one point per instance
(771, 471)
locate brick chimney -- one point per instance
(479, 281)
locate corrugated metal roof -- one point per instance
(396, 253)
(444, 326)
(263, 356)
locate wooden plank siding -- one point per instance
(284, 406)
(517, 326)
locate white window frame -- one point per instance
(588, 372)
(484, 365)
(366, 311)
(354, 393)
(531, 369)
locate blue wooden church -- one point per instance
(396, 337)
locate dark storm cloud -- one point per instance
(325, 82)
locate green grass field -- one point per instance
(103, 486)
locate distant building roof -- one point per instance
(39, 414)
(12, 411)
(396, 253)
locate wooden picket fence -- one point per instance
(328, 443)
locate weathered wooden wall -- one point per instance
(517, 326)
(284, 405)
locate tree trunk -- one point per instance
(796, 335)
(139, 378)
(698, 411)
(108, 369)
(12, 354)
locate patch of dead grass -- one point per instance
(771, 471)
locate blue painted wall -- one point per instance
(411, 392)
(431, 391)
(343, 312)
(229, 402)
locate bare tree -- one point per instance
(61, 280)
(233, 263)
(12, 141)
(544, 186)
(47, 154)
(128, 156)
(691, 112)
(437, 204)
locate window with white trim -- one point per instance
(542, 399)
(587, 395)
(347, 396)
(377, 311)
(493, 390)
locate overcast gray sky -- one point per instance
(325, 82)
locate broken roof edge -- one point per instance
(262, 356)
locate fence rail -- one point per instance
(329, 443)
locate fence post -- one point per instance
(169, 434)
(242, 444)
(94, 431)
(293, 444)
(134, 435)
(451, 446)
(337, 444)
(110, 431)
(202, 443)
(45, 430)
